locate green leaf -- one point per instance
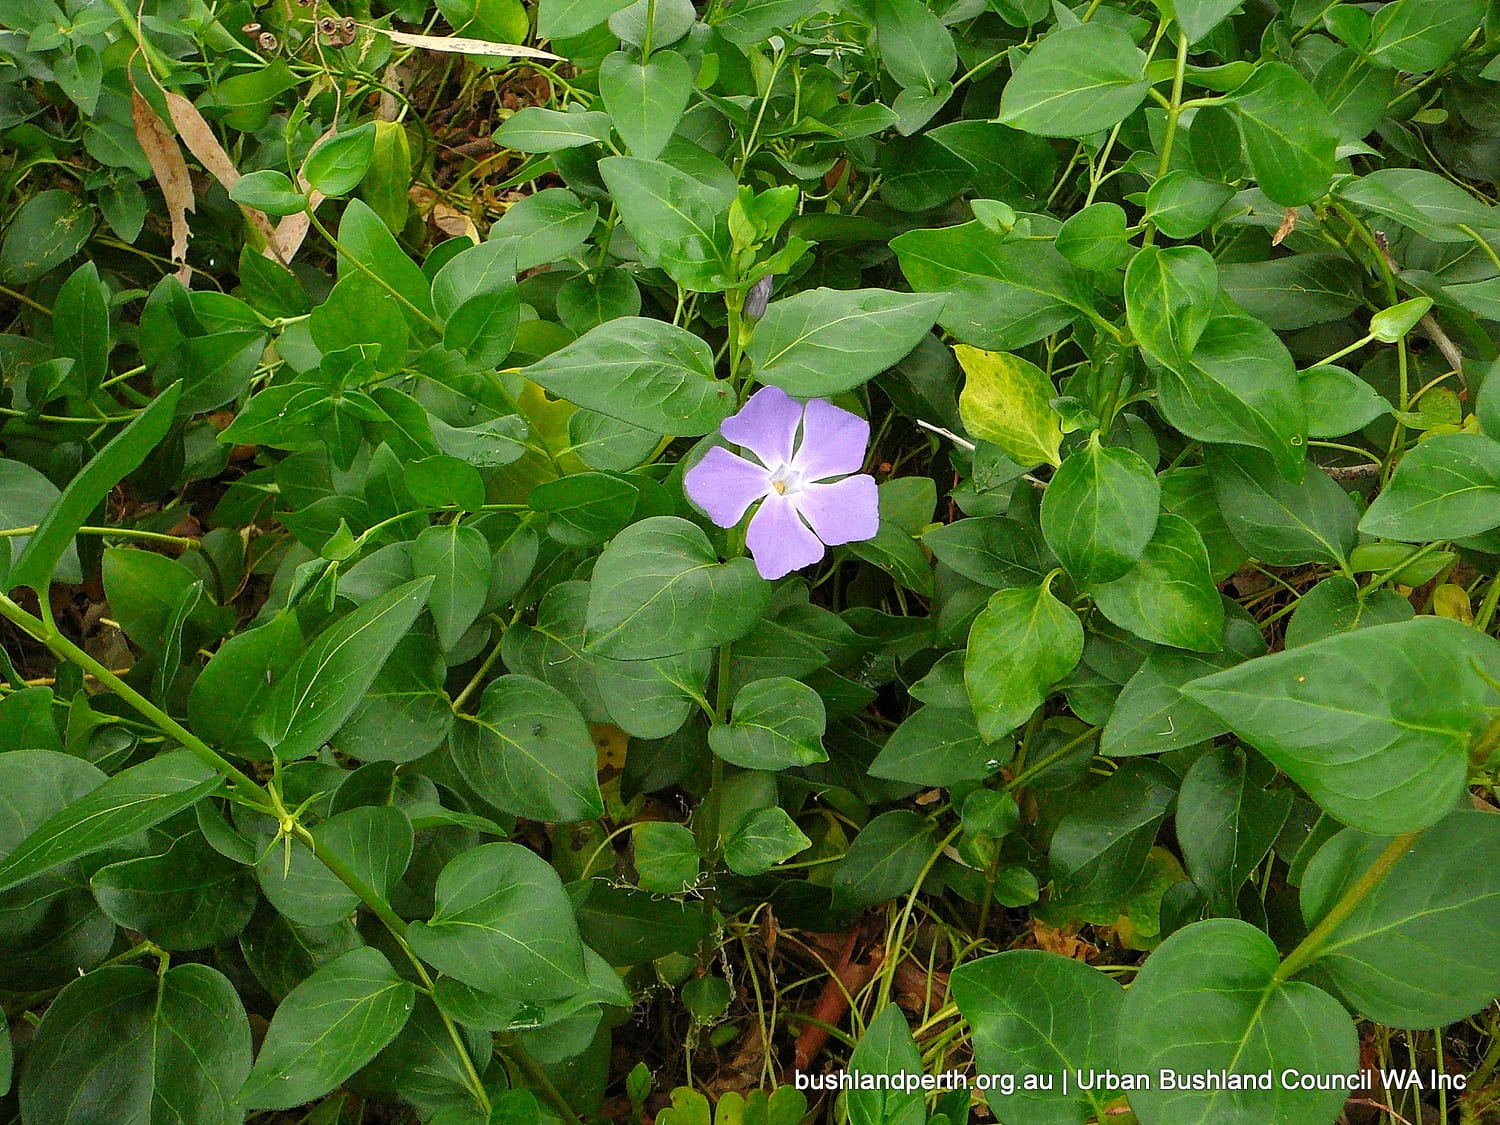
(1421, 35)
(823, 342)
(457, 558)
(915, 48)
(124, 1044)
(232, 691)
(366, 240)
(1099, 512)
(646, 372)
(658, 590)
(936, 746)
(562, 19)
(887, 1047)
(992, 551)
(545, 227)
(884, 861)
(1076, 81)
(1169, 297)
(1169, 595)
(1392, 324)
(528, 751)
(1375, 724)
(1296, 291)
(1338, 605)
(503, 924)
(761, 840)
(187, 897)
(336, 166)
(747, 22)
(666, 856)
(6, 1062)
(81, 326)
(483, 328)
(1152, 716)
(1182, 205)
(144, 590)
(1095, 238)
(1208, 1000)
(25, 498)
(328, 681)
(46, 230)
(679, 222)
(1415, 952)
(406, 714)
(1426, 202)
(645, 99)
(130, 802)
(1278, 522)
(776, 723)
(1002, 294)
(1446, 488)
(1022, 643)
(1007, 401)
(1240, 387)
(328, 1027)
(1040, 1013)
(124, 453)
(270, 191)
(1227, 820)
(1098, 851)
(1338, 401)
(1289, 135)
(1197, 18)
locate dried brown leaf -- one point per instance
(457, 44)
(171, 172)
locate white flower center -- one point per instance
(787, 481)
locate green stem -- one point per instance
(182, 541)
(893, 949)
(1312, 945)
(539, 1078)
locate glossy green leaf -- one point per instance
(124, 453)
(1099, 849)
(1421, 35)
(1197, 18)
(775, 723)
(1338, 401)
(457, 558)
(328, 681)
(645, 372)
(1208, 1001)
(25, 498)
(761, 840)
(187, 897)
(1168, 596)
(328, 1027)
(1099, 512)
(1023, 642)
(822, 342)
(659, 590)
(129, 802)
(666, 857)
(645, 99)
(124, 1044)
(678, 222)
(1169, 297)
(884, 861)
(45, 231)
(1278, 522)
(1240, 388)
(1289, 135)
(1041, 1013)
(338, 164)
(1227, 819)
(1002, 294)
(1338, 605)
(1445, 488)
(1415, 952)
(1076, 81)
(528, 751)
(936, 746)
(887, 1047)
(1095, 238)
(503, 924)
(1374, 724)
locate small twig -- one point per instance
(1351, 472)
(964, 443)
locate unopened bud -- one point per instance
(757, 299)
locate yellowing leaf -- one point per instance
(1006, 401)
(612, 743)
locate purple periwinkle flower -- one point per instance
(801, 474)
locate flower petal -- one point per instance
(725, 484)
(846, 511)
(779, 542)
(766, 426)
(833, 441)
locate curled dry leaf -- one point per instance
(199, 138)
(457, 44)
(171, 172)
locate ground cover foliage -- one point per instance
(400, 428)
